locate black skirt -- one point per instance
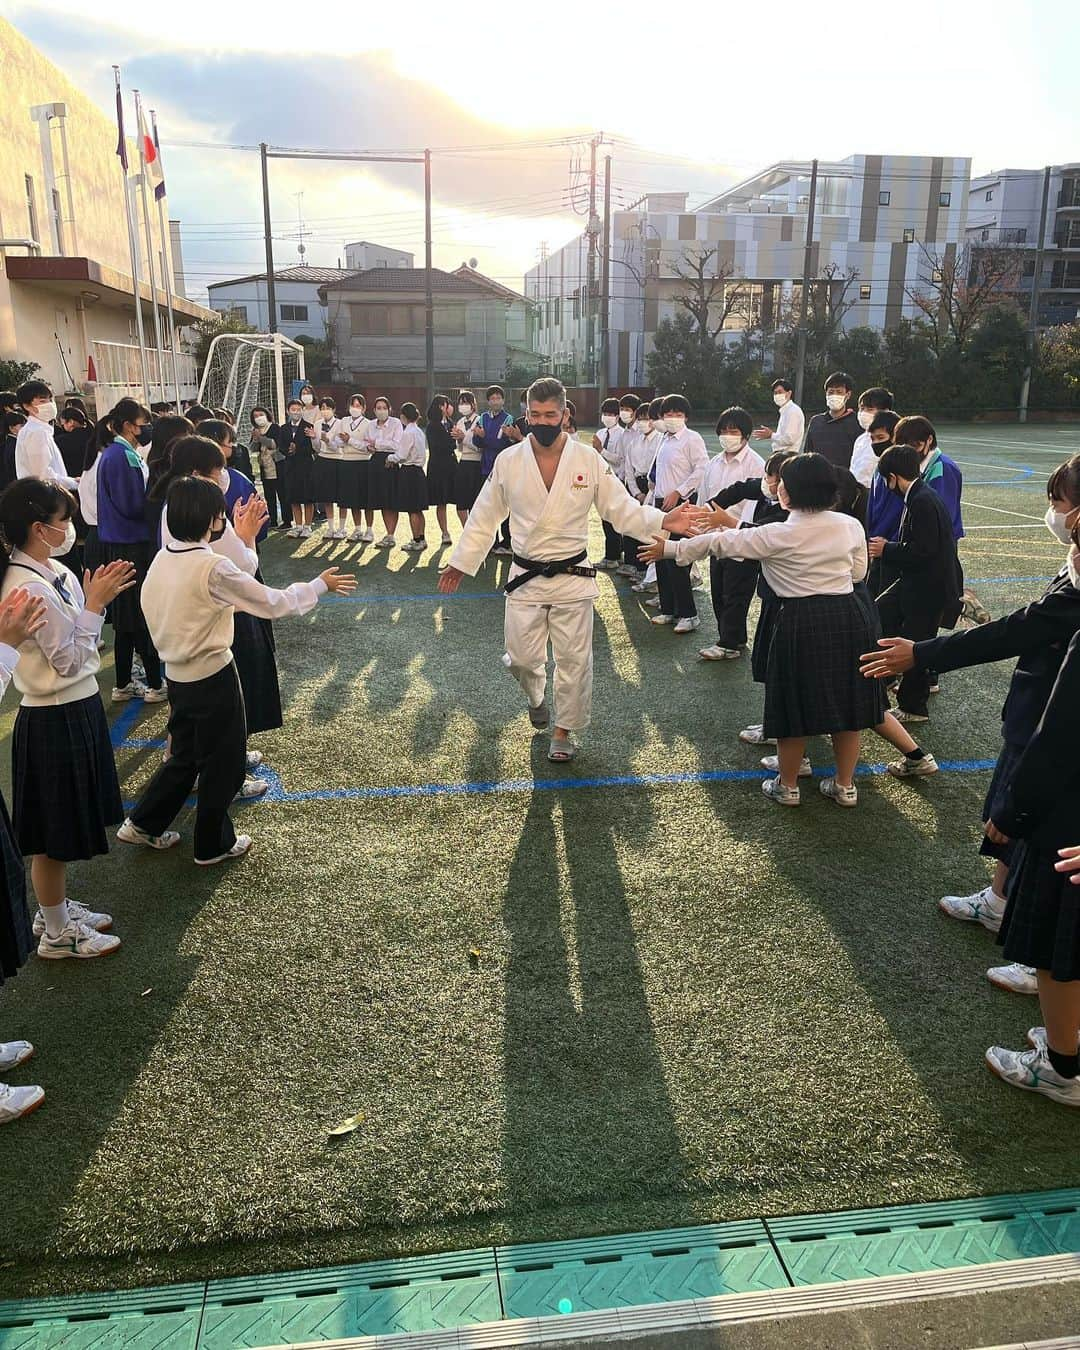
(300, 477)
(1004, 771)
(125, 612)
(92, 557)
(353, 484)
(763, 633)
(813, 684)
(16, 937)
(328, 479)
(380, 486)
(1041, 927)
(410, 488)
(66, 789)
(468, 481)
(253, 653)
(441, 478)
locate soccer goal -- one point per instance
(249, 370)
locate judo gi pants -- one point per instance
(568, 628)
(732, 581)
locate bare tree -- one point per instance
(710, 297)
(954, 291)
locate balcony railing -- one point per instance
(118, 367)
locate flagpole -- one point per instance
(133, 243)
(149, 241)
(166, 263)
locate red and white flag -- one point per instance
(151, 157)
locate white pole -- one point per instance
(279, 379)
(166, 263)
(149, 241)
(133, 246)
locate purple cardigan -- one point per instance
(121, 491)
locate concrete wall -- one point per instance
(362, 255)
(252, 294)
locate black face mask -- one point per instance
(146, 435)
(215, 535)
(543, 434)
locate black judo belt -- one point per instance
(560, 567)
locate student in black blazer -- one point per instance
(927, 593)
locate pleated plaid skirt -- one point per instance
(1041, 927)
(256, 665)
(1004, 771)
(763, 633)
(66, 789)
(813, 684)
(16, 938)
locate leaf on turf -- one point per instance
(347, 1126)
(147, 991)
(474, 957)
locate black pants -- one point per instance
(613, 543)
(273, 491)
(913, 692)
(673, 584)
(630, 553)
(733, 582)
(125, 646)
(209, 738)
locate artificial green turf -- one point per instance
(687, 1005)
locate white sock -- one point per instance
(56, 917)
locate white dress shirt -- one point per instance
(9, 659)
(724, 470)
(353, 433)
(790, 429)
(681, 462)
(863, 460)
(612, 442)
(230, 586)
(810, 553)
(387, 435)
(59, 664)
(412, 452)
(37, 456)
(88, 493)
(466, 449)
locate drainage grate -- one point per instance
(138, 1319)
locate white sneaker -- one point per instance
(251, 789)
(913, 768)
(1037, 1038)
(160, 695)
(909, 717)
(662, 618)
(1032, 1071)
(254, 759)
(718, 653)
(387, 541)
(842, 796)
(340, 533)
(14, 1053)
(625, 570)
(644, 587)
(305, 532)
(294, 533)
(755, 735)
(446, 541)
(653, 602)
(243, 843)
(131, 834)
(414, 546)
(777, 792)
(357, 537)
(16, 1102)
(1017, 979)
(368, 537)
(77, 913)
(687, 625)
(983, 907)
(772, 763)
(77, 940)
(124, 693)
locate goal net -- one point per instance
(249, 370)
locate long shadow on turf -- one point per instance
(588, 1114)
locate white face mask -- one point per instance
(1055, 523)
(381, 414)
(674, 423)
(224, 481)
(327, 414)
(608, 419)
(46, 411)
(262, 421)
(626, 416)
(66, 544)
(865, 416)
(465, 409)
(1074, 567)
(307, 400)
(834, 402)
(730, 442)
(780, 398)
(356, 410)
(644, 426)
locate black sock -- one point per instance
(917, 753)
(1068, 1066)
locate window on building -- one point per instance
(909, 236)
(985, 236)
(558, 310)
(990, 194)
(1066, 275)
(58, 221)
(31, 209)
(1029, 267)
(239, 310)
(376, 320)
(864, 292)
(944, 199)
(575, 305)
(884, 198)
(449, 320)
(294, 313)
(937, 276)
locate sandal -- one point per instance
(562, 750)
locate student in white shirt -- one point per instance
(36, 452)
(732, 580)
(812, 561)
(680, 465)
(65, 787)
(355, 469)
(863, 458)
(647, 585)
(189, 597)
(383, 440)
(469, 476)
(792, 423)
(607, 443)
(637, 461)
(327, 442)
(407, 466)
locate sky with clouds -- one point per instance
(693, 100)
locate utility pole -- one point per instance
(605, 285)
(1033, 313)
(429, 304)
(271, 291)
(593, 231)
(800, 362)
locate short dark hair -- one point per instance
(217, 431)
(495, 389)
(839, 380)
(166, 430)
(777, 460)
(410, 412)
(187, 455)
(876, 397)
(884, 421)
(15, 418)
(738, 418)
(437, 407)
(630, 401)
(26, 502)
(675, 403)
(32, 389)
(609, 405)
(656, 408)
(1064, 482)
(257, 409)
(547, 389)
(292, 403)
(73, 414)
(466, 394)
(901, 460)
(198, 412)
(127, 410)
(911, 429)
(643, 411)
(809, 482)
(191, 507)
(328, 402)
(358, 398)
(225, 415)
(7, 400)
(782, 384)
(381, 398)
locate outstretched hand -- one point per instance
(718, 519)
(1070, 862)
(21, 615)
(896, 657)
(338, 583)
(651, 553)
(450, 579)
(685, 519)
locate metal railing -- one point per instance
(118, 369)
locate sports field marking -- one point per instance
(1040, 526)
(1001, 510)
(1022, 446)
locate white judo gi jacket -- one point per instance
(549, 526)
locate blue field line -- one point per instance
(989, 581)
(123, 724)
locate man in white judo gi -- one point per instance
(547, 484)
